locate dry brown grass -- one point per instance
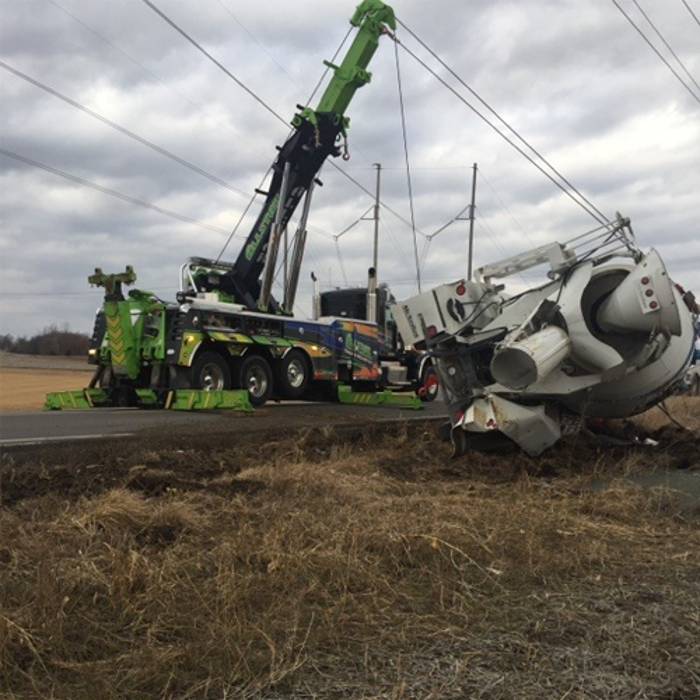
(351, 566)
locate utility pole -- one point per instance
(472, 206)
(375, 259)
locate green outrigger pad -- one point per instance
(378, 398)
(175, 399)
(80, 398)
(194, 399)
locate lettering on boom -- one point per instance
(267, 220)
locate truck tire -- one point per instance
(292, 375)
(255, 376)
(429, 384)
(210, 372)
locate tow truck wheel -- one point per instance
(255, 375)
(210, 372)
(429, 386)
(292, 375)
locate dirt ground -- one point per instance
(360, 564)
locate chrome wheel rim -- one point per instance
(212, 378)
(256, 381)
(295, 374)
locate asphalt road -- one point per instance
(42, 427)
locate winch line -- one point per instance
(408, 164)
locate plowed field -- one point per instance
(25, 379)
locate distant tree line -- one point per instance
(51, 341)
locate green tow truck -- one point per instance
(226, 342)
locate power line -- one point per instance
(199, 47)
(141, 66)
(353, 224)
(112, 193)
(505, 207)
(258, 42)
(141, 140)
(666, 44)
(250, 203)
(695, 17)
(258, 99)
(657, 52)
(123, 130)
(383, 205)
(582, 201)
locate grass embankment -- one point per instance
(356, 566)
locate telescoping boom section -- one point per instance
(317, 134)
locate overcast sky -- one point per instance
(574, 78)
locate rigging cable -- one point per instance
(408, 164)
(583, 202)
(242, 217)
(656, 51)
(340, 260)
(113, 193)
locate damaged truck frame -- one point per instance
(607, 336)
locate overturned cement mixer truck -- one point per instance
(608, 336)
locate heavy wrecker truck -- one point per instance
(227, 342)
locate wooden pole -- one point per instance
(375, 259)
(472, 207)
